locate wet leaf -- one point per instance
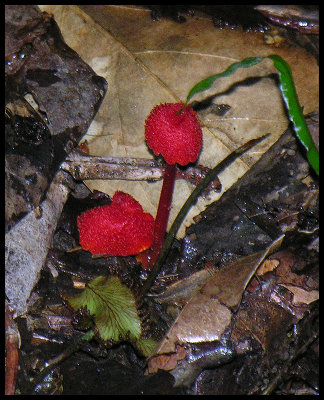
(264, 320)
(44, 81)
(165, 60)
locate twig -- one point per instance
(12, 343)
(57, 360)
(82, 167)
(274, 383)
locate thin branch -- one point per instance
(83, 167)
(57, 360)
(12, 344)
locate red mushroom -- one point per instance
(118, 229)
(172, 130)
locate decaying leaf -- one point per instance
(27, 244)
(283, 272)
(302, 296)
(51, 97)
(28, 144)
(266, 266)
(209, 312)
(165, 60)
(167, 362)
(283, 300)
(113, 308)
(264, 320)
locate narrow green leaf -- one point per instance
(207, 83)
(289, 94)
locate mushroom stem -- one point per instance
(173, 131)
(163, 211)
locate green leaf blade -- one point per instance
(208, 82)
(295, 111)
(146, 346)
(113, 308)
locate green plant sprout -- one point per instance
(112, 306)
(113, 317)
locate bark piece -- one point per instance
(63, 96)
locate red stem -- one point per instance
(163, 211)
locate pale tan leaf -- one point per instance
(302, 296)
(209, 312)
(147, 62)
(267, 266)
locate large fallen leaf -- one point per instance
(208, 313)
(147, 62)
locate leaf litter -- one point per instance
(207, 313)
(180, 351)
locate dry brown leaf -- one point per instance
(302, 296)
(208, 313)
(267, 266)
(167, 362)
(147, 62)
(264, 320)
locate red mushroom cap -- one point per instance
(118, 229)
(176, 135)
